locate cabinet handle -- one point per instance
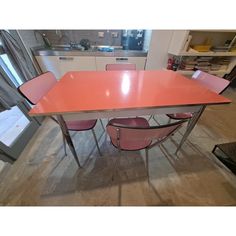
(122, 59)
(66, 58)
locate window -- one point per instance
(10, 70)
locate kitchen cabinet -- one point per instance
(101, 62)
(60, 65)
(210, 50)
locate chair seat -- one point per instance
(131, 145)
(80, 125)
(180, 116)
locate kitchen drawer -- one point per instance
(60, 65)
(101, 62)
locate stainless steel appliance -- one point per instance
(133, 39)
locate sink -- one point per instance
(105, 48)
(101, 48)
(66, 47)
(61, 48)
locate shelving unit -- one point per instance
(211, 54)
(220, 73)
(182, 40)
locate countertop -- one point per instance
(42, 51)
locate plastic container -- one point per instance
(202, 48)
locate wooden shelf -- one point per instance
(215, 72)
(213, 54)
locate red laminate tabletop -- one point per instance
(84, 91)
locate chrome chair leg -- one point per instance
(147, 163)
(151, 116)
(95, 138)
(189, 122)
(119, 193)
(102, 124)
(155, 120)
(64, 144)
(67, 137)
(190, 126)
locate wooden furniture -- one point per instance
(104, 94)
(226, 153)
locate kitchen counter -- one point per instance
(62, 59)
(41, 51)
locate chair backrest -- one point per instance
(121, 66)
(120, 134)
(212, 82)
(34, 89)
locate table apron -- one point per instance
(129, 113)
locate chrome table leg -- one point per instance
(190, 126)
(67, 137)
(102, 124)
(147, 163)
(64, 143)
(96, 141)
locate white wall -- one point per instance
(158, 49)
(147, 39)
(29, 39)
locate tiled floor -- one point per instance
(43, 175)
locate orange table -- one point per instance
(104, 94)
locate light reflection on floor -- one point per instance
(12, 123)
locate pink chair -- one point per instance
(121, 66)
(34, 89)
(135, 134)
(213, 83)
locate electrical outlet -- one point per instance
(101, 34)
(114, 34)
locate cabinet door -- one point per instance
(101, 62)
(60, 65)
(76, 63)
(140, 62)
(49, 63)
